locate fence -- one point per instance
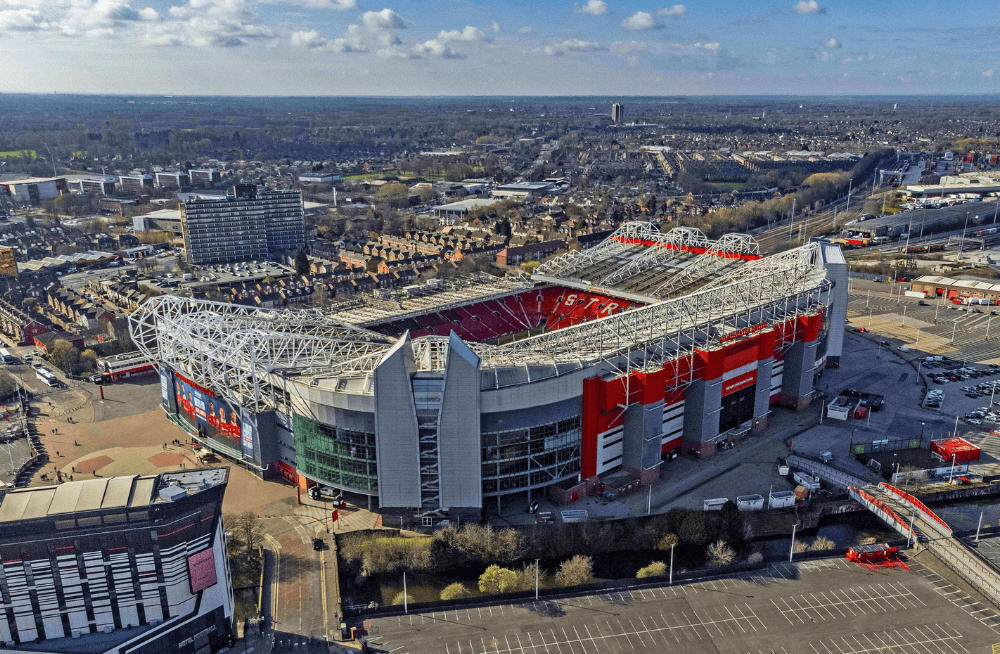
(886, 445)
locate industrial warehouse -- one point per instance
(459, 395)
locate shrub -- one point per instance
(387, 555)
(399, 598)
(576, 571)
(666, 541)
(720, 554)
(654, 569)
(755, 558)
(497, 580)
(693, 528)
(454, 591)
(526, 577)
(799, 547)
(821, 544)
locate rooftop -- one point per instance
(105, 493)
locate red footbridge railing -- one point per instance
(882, 510)
(919, 505)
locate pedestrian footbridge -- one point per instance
(911, 518)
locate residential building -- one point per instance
(33, 190)
(178, 179)
(617, 112)
(112, 565)
(247, 225)
(97, 186)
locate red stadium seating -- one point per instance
(551, 307)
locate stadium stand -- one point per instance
(550, 307)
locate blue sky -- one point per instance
(605, 47)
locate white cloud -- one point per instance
(808, 7)
(641, 20)
(202, 23)
(572, 45)
(832, 44)
(525, 30)
(20, 20)
(335, 5)
(470, 33)
(436, 48)
(710, 47)
(988, 73)
(495, 26)
(386, 19)
(593, 7)
(675, 11)
(627, 47)
(307, 39)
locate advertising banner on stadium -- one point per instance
(214, 417)
(166, 392)
(247, 435)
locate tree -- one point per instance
(720, 554)
(496, 580)
(576, 571)
(8, 385)
(88, 360)
(393, 194)
(250, 532)
(526, 577)
(301, 262)
(454, 591)
(654, 569)
(692, 530)
(666, 541)
(400, 597)
(29, 222)
(29, 304)
(63, 355)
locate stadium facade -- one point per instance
(450, 396)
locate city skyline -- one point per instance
(346, 47)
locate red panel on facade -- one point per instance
(672, 444)
(740, 353)
(589, 426)
(765, 345)
(960, 448)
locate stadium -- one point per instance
(459, 395)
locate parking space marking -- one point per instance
(641, 632)
(836, 604)
(929, 639)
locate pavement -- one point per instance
(822, 606)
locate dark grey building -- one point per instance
(112, 565)
(245, 226)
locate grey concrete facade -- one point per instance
(397, 437)
(702, 403)
(836, 269)
(460, 452)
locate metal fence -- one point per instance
(889, 445)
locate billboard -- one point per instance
(8, 267)
(201, 570)
(166, 392)
(214, 418)
(247, 435)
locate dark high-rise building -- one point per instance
(112, 565)
(617, 112)
(245, 226)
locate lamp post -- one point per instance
(791, 550)
(953, 331)
(671, 582)
(980, 525)
(952, 473)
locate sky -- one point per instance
(458, 47)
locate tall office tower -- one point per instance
(114, 565)
(617, 112)
(247, 225)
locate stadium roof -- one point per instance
(722, 286)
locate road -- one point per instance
(301, 586)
